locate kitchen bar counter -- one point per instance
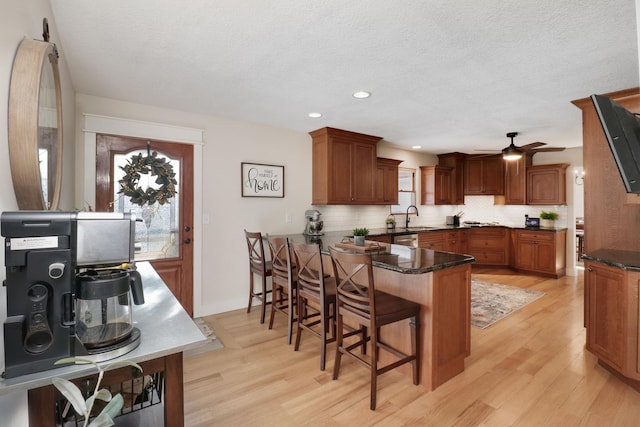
(441, 283)
(403, 259)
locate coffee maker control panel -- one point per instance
(39, 336)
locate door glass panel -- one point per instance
(157, 236)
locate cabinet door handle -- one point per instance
(589, 269)
(187, 241)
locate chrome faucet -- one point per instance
(406, 224)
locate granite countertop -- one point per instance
(165, 326)
(403, 259)
(626, 260)
(399, 231)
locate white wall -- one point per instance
(227, 143)
(20, 19)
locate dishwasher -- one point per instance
(406, 240)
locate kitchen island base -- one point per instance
(445, 319)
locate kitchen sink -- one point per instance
(418, 228)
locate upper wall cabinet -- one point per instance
(386, 185)
(515, 180)
(436, 185)
(547, 185)
(484, 175)
(344, 167)
(455, 161)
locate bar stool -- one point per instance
(283, 282)
(260, 266)
(316, 298)
(360, 303)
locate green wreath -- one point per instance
(150, 164)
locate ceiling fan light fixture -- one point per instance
(511, 153)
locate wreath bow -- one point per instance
(140, 165)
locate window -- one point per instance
(406, 191)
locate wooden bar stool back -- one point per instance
(359, 302)
(316, 298)
(258, 265)
(283, 282)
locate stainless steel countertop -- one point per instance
(164, 325)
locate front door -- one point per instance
(164, 235)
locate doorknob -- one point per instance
(187, 241)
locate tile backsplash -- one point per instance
(476, 208)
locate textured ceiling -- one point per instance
(450, 76)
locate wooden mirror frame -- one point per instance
(25, 135)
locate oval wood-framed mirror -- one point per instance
(35, 126)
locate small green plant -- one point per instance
(391, 220)
(549, 215)
(360, 231)
(83, 407)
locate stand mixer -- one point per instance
(314, 223)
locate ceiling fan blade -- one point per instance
(548, 149)
(532, 145)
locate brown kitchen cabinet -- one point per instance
(382, 239)
(462, 245)
(484, 175)
(455, 161)
(488, 245)
(541, 252)
(515, 180)
(546, 184)
(612, 316)
(386, 185)
(436, 186)
(456, 241)
(434, 240)
(344, 167)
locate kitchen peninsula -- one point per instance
(441, 283)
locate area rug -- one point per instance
(491, 302)
(213, 343)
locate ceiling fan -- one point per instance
(513, 152)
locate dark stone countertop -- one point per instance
(626, 260)
(400, 231)
(403, 259)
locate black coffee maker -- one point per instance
(67, 292)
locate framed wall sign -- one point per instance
(262, 180)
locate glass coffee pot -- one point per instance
(103, 306)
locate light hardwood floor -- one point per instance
(529, 369)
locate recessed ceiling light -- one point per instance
(417, 147)
(314, 115)
(361, 94)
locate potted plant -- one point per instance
(547, 219)
(391, 222)
(359, 235)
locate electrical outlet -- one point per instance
(205, 218)
(287, 218)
